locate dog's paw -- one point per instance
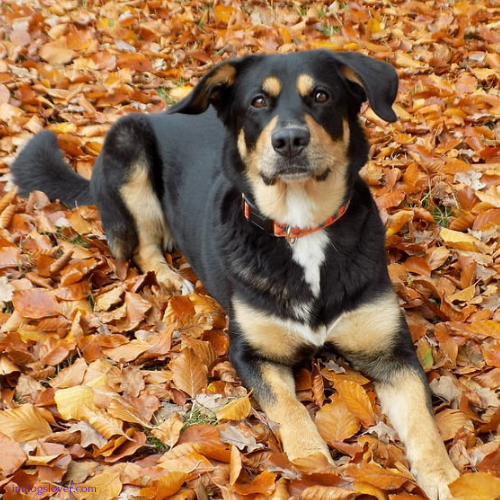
(172, 283)
(434, 479)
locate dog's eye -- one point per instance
(259, 101)
(320, 96)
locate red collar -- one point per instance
(283, 230)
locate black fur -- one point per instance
(198, 174)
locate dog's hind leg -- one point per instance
(129, 201)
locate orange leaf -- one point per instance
(378, 476)
(263, 484)
(327, 493)
(450, 421)
(12, 456)
(238, 409)
(57, 52)
(476, 486)
(335, 422)
(357, 401)
(35, 303)
(189, 373)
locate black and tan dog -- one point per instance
(260, 190)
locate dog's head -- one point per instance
(294, 123)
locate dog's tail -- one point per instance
(40, 166)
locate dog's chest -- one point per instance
(310, 253)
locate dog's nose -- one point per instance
(290, 141)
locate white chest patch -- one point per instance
(309, 253)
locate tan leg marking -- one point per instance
(368, 331)
(271, 338)
(404, 402)
(152, 229)
(271, 86)
(369, 328)
(305, 84)
(299, 435)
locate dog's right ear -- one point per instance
(211, 89)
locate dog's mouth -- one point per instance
(295, 174)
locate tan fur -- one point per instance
(404, 402)
(270, 338)
(225, 75)
(271, 86)
(351, 75)
(305, 84)
(322, 198)
(152, 229)
(369, 328)
(299, 435)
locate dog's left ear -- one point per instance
(378, 79)
(211, 89)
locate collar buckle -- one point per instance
(291, 240)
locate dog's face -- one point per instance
(291, 117)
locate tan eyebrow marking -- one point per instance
(271, 86)
(305, 84)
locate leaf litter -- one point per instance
(107, 383)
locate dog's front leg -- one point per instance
(273, 386)
(375, 339)
(403, 396)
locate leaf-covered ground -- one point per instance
(108, 384)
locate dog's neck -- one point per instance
(281, 230)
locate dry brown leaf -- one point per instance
(12, 456)
(189, 373)
(36, 303)
(476, 486)
(335, 422)
(24, 423)
(238, 409)
(357, 401)
(104, 485)
(57, 52)
(72, 402)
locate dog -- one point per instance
(254, 176)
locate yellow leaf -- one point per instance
(238, 409)
(24, 423)
(106, 485)
(235, 465)
(476, 486)
(488, 328)
(462, 241)
(72, 402)
(463, 295)
(122, 410)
